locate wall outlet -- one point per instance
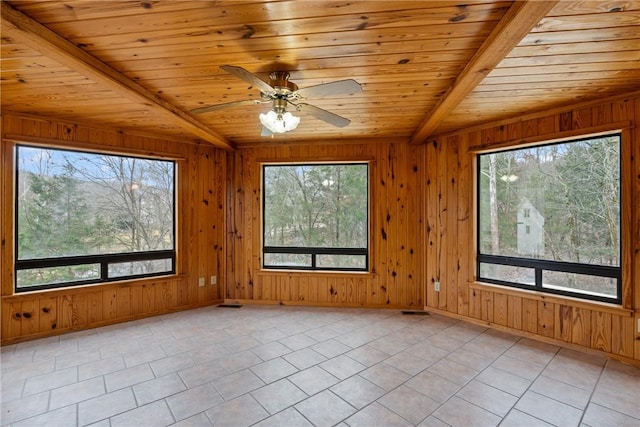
(213, 280)
(201, 281)
(436, 286)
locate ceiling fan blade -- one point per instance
(323, 115)
(225, 105)
(248, 77)
(341, 87)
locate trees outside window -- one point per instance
(549, 218)
(315, 216)
(86, 218)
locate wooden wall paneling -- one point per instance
(351, 290)
(303, 289)
(218, 227)
(202, 219)
(602, 114)
(313, 289)
(49, 129)
(432, 240)
(500, 309)
(475, 304)
(335, 290)
(487, 311)
(515, 313)
(563, 317)
(402, 174)
(172, 293)
(234, 200)
(191, 218)
(443, 231)
(382, 236)
(162, 296)
(48, 314)
(123, 302)
(95, 307)
(414, 226)
(514, 131)
(464, 225)
(65, 312)
(565, 121)
(109, 304)
(530, 315)
(116, 140)
(600, 331)
(634, 200)
(626, 221)
(622, 340)
(529, 128)
(66, 132)
(284, 288)
(546, 125)
(249, 233)
(546, 318)
(622, 110)
(149, 297)
(6, 207)
(294, 291)
(582, 118)
(30, 127)
(451, 250)
(344, 290)
(135, 298)
(11, 320)
(388, 234)
(30, 317)
(581, 328)
(79, 310)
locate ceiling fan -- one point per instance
(281, 93)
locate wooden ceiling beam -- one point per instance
(517, 22)
(21, 28)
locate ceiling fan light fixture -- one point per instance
(279, 122)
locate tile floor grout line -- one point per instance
(595, 387)
(555, 354)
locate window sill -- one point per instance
(321, 273)
(556, 299)
(94, 287)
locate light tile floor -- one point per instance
(296, 366)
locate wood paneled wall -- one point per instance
(201, 181)
(450, 216)
(396, 230)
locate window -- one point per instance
(315, 216)
(553, 224)
(86, 218)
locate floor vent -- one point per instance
(416, 312)
(230, 305)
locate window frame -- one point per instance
(540, 265)
(315, 251)
(103, 260)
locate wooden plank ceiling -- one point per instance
(426, 67)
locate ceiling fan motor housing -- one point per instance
(279, 80)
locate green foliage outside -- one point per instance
(316, 206)
(73, 204)
(572, 188)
